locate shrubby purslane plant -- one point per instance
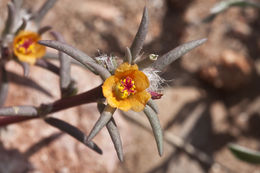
(130, 85)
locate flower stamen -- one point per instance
(25, 45)
(125, 87)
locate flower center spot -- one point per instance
(26, 45)
(125, 87)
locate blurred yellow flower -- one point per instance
(26, 48)
(126, 89)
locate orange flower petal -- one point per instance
(125, 69)
(139, 100)
(141, 80)
(124, 105)
(108, 86)
(120, 104)
(26, 58)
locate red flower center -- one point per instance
(128, 84)
(25, 45)
(125, 87)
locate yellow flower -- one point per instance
(26, 48)
(126, 89)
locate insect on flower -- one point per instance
(26, 48)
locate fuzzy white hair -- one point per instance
(156, 82)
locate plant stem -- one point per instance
(87, 97)
(4, 121)
(83, 98)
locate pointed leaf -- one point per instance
(245, 154)
(153, 105)
(55, 56)
(79, 56)
(10, 19)
(140, 35)
(40, 14)
(174, 54)
(67, 85)
(115, 136)
(4, 86)
(128, 56)
(157, 130)
(22, 27)
(44, 29)
(41, 144)
(224, 5)
(104, 118)
(114, 133)
(17, 4)
(3, 93)
(72, 131)
(26, 68)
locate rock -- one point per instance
(231, 71)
